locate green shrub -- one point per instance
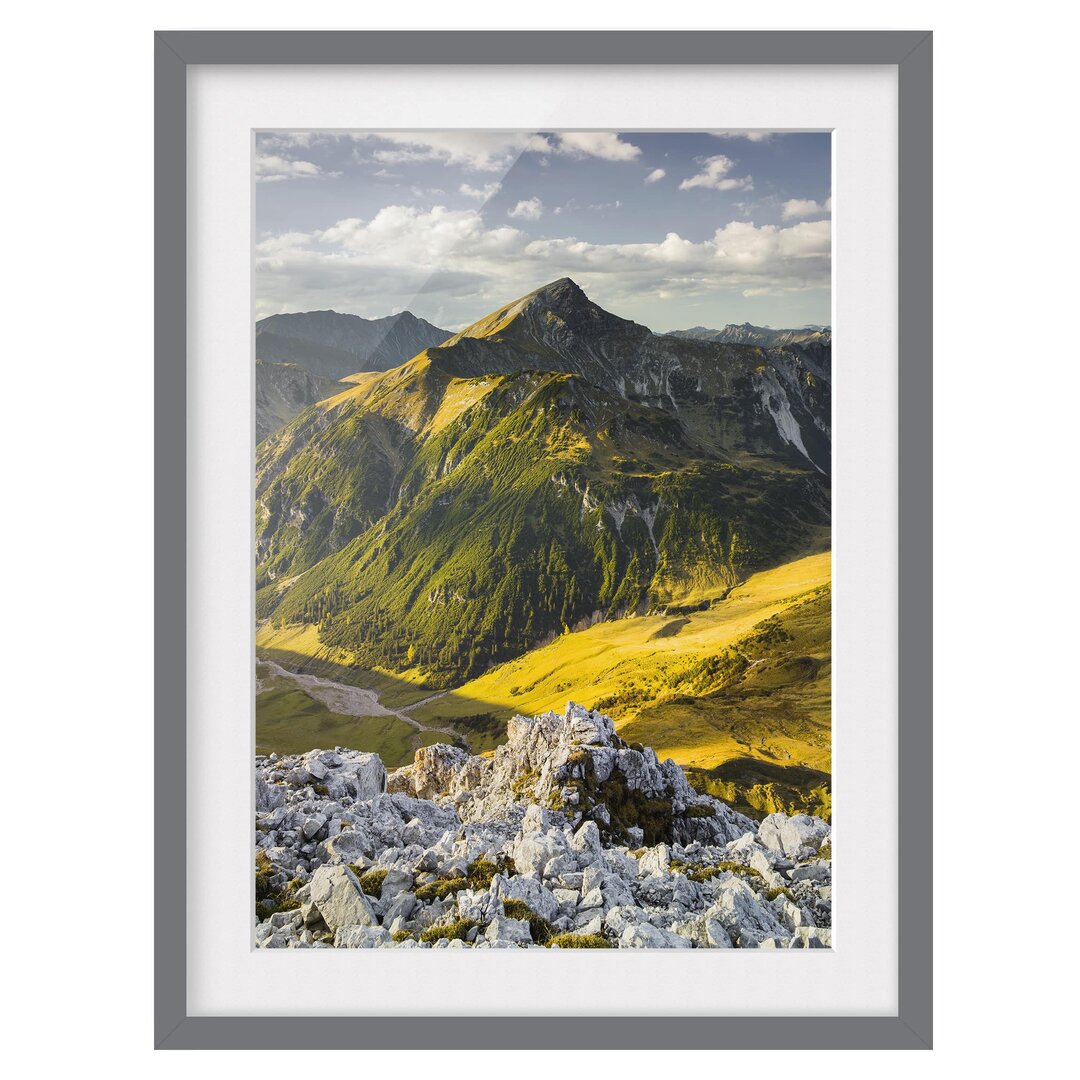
(321, 789)
(267, 899)
(542, 931)
(264, 871)
(441, 888)
(699, 873)
(581, 941)
(455, 931)
(699, 810)
(481, 871)
(779, 890)
(825, 851)
(371, 881)
(478, 875)
(402, 935)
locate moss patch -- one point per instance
(581, 941)
(478, 875)
(441, 888)
(700, 873)
(455, 931)
(371, 882)
(267, 898)
(627, 807)
(779, 890)
(542, 931)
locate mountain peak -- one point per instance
(558, 306)
(565, 289)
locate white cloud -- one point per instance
(480, 193)
(528, 209)
(462, 268)
(272, 167)
(750, 136)
(288, 140)
(804, 208)
(487, 151)
(715, 175)
(482, 151)
(599, 144)
(656, 174)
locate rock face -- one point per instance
(566, 838)
(283, 390)
(575, 762)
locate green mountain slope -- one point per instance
(550, 467)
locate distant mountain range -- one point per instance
(550, 466)
(766, 336)
(333, 345)
(302, 356)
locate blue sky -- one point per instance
(670, 229)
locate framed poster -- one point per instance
(563, 629)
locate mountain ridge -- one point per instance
(747, 333)
(335, 344)
(450, 497)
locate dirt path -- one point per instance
(354, 700)
(426, 701)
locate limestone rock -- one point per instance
(361, 937)
(268, 796)
(539, 812)
(336, 893)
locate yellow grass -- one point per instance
(599, 662)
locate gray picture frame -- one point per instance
(911, 52)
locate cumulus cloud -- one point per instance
(270, 168)
(288, 140)
(714, 174)
(656, 174)
(599, 144)
(465, 268)
(804, 208)
(487, 151)
(528, 209)
(481, 151)
(480, 193)
(750, 136)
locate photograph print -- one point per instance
(543, 545)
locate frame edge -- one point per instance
(915, 539)
(911, 51)
(170, 532)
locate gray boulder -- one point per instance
(510, 931)
(798, 837)
(336, 893)
(530, 891)
(268, 796)
(748, 918)
(361, 937)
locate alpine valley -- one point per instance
(554, 503)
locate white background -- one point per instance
(77, 91)
(859, 974)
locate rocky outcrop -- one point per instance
(576, 763)
(567, 838)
